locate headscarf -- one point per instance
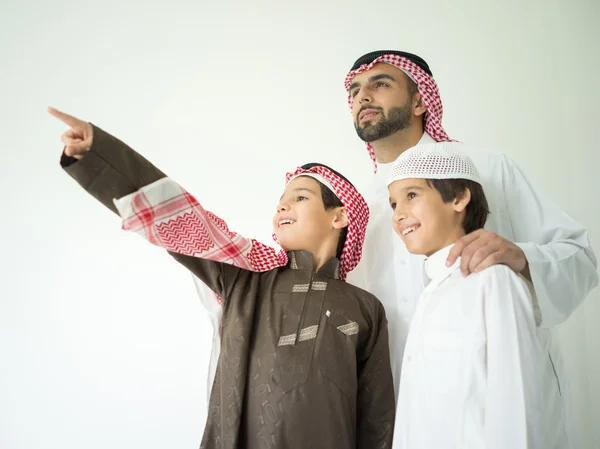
(168, 216)
(418, 71)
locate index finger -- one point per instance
(66, 118)
(460, 245)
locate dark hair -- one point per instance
(330, 201)
(477, 209)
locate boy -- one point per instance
(304, 356)
(476, 372)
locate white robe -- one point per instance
(476, 371)
(561, 261)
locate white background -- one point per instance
(102, 340)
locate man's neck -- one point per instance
(389, 148)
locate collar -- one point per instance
(435, 269)
(303, 260)
(384, 169)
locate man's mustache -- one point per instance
(364, 108)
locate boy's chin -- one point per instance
(415, 248)
(287, 245)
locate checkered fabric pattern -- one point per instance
(168, 216)
(427, 88)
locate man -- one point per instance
(396, 105)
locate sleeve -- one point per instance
(561, 261)
(510, 359)
(376, 405)
(112, 170)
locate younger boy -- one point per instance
(304, 356)
(476, 372)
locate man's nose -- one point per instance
(363, 96)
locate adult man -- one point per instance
(396, 105)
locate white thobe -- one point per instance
(561, 261)
(476, 371)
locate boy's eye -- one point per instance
(393, 206)
(301, 198)
(411, 195)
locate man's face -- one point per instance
(381, 102)
(421, 218)
(301, 221)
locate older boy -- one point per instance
(476, 371)
(304, 356)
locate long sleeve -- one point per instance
(511, 353)
(561, 260)
(112, 170)
(376, 400)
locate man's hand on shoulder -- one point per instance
(482, 249)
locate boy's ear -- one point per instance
(340, 219)
(462, 200)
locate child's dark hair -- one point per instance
(477, 209)
(330, 200)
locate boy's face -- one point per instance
(421, 218)
(301, 221)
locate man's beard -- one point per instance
(396, 120)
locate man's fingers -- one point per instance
(481, 254)
(66, 118)
(492, 259)
(460, 245)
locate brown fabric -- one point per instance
(304, 356)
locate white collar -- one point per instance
(384, 169)
(435, 269)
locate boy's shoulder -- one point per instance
(502, 278)
(494, 277)
(359, 294)
(499, 271)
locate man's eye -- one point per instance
(381, 84)
(354, 93)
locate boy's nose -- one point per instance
(282, 207)
(399, 215)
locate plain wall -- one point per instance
(102, 340)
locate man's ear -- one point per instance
(419, 107)
(340, 219)
(461, 202)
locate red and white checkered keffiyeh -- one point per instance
(168, 216)
(356, 209)
(427, 88)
